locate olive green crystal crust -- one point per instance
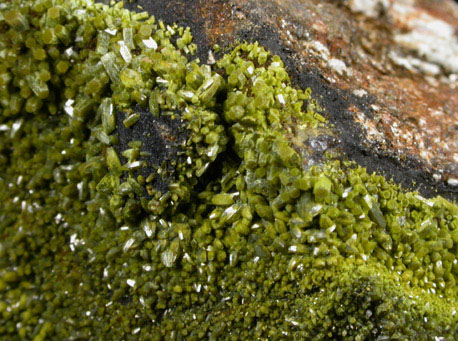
(238, 236)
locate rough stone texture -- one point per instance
(385, 72)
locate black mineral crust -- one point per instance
(162, 141)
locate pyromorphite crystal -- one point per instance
(224, 199)
(131, 120)
(209, 227)
(15, 19)
(322, 187)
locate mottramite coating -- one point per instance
(146, 196)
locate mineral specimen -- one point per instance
(221, 228)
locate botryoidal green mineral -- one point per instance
(247, 240)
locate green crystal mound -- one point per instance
(233, 235)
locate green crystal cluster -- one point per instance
(247, 241)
